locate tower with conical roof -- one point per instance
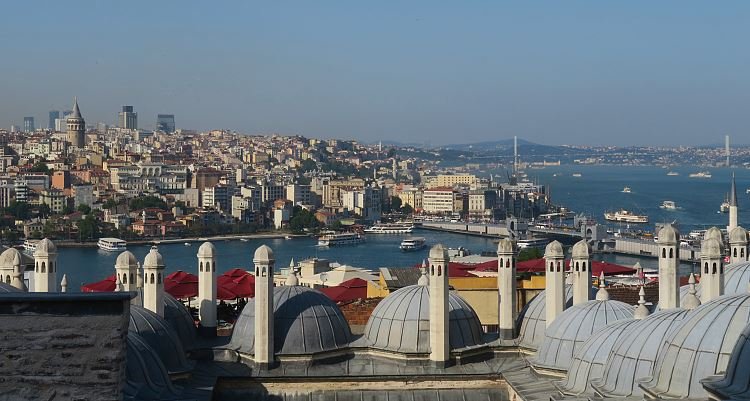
(264, 346)
(153, 282)
(738, 245)
(554, 260)
(669, 257)
(438, 289)
(45, 266)
(506, 286)
(207, 288)
(76, 127)
(580, 268)
(733, 207)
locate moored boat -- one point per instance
(668, 205)
(112, 244)
(700, 174)
(333, 239)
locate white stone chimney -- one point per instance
(580, 269)
(438, 288)
(153, 282)
(207, 288)
(263, 303)
(45, 266)
(669, 259)
(554, 260)
(506, 287)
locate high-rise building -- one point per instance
(165, 123)
(28, 124)
(128, 118)
(53, 115)
(76, 127)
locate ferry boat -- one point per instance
(626, 190)
(724, 208)
(576, 174)
(668, 205)
(30, 245)
(112, 244)
(390, 228)
(412, 244)
(625, 216)
(334, 239)
(700, 174)
(539, 243)
(673, 173)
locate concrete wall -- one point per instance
(63, 346)
(651, 249)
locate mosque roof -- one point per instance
(160, 336)
(734, 384)
(145, 374)
(532, 320)
(181, 320)
(76, 111)
(5, 287)
(401, 322)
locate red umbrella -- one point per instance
(224, 294)
(349, 290)
(109, 284)
(236, 272)
(182, 277)
(238, 282)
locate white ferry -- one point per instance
(668, 205)
(334, 239)
(532, 243)
(700, 174)
(30, 245)
(112, 244)
(626, 190)
(412, 244)
(673, 173)
(577, 175)
(626, 216)
(390, 228)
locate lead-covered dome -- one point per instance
(160, 336)
(45, 247)
(306, 322)
(179, 317)
(532, 320)
(734, 384)
(401, 322)
(590, 359)
(146, 376)
(634, 354)
(698, 347)
(6, 287)
(566, 335)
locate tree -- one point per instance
(109, 204)
(529, 254)
(40, 167)
(303, 219)
(308, 165)
(88, 227)
(407, 209)
(67, 210)
(147, 202)
(395, 203)
(85, 209)
(44, 210)
(19, 210)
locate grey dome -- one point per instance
(736, 280)
(160, 336)
(11, 257)
(734, 384)
(668, 235)
(738, 236)
(581, 250)
(554, 250)
(566, 335)
(153, 258)
(532, 320)
(305, 322)
(698, 347)
(126, 258)
(714, 233)
(634, 354)
(206, 250)
(590, 359)
(711, 248)
(45, 247)
(6, 287)
(145, 374)
(401, 322)
(181, 320)
(505, 246)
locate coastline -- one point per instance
(157, 241)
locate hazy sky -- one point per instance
(598, 72)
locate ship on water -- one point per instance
(625, 216)
(700, 174)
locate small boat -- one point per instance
(700, 174)
(112, 244)
(625, 216)
(673, 173)
(187, 244)
(576, 174)
(538, 243)
(331, 238)
(244, 239)
(626, 190)
(412, 244)
(668, 205)
(724, 208)
(287, 237)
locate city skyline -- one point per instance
(666, 74)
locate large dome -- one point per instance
(734, 384)
(401, 322)
(698, 347)
(147, 378)
(566, 335)
(179, 317)
(305, 322)
(160, 336)
(532, 321)
(634, 354)
(590, 359)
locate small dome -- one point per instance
(581, 250)
(45, 247)
(206, 250)
(668, 235)
(566, 335)
(401, 322)
(126, 258)
(734, 384)
(590, 359)
(634, 354)
(179, 317)
(506, 246)
(711, 248)
(10, 257)
(146, 376)
(532, 320)
(554, 250)
(264, 253)
(438, 252)
(714, 233)
(305, 322)
(161, 336)
(153, 258)
(738, 236)
(698, 347)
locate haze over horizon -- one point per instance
(583, 73)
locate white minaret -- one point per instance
(153, 282)
(126, 268)
(738, 245)
(438, 289)
(45, 266)
(264, 321)
(554, 260)
(207, 288)
(732, 206)
(712, 270)
(580, 268)
(506, 287)
(669, 257)
(12, 268)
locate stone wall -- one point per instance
(63, 346)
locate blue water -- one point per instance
(599, 189)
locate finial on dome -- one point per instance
(602, 294)
(691, 300)
(424, 264)
(64, 283)
(291, 279)
(641, 311)
(423, 279)
(291, 263)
